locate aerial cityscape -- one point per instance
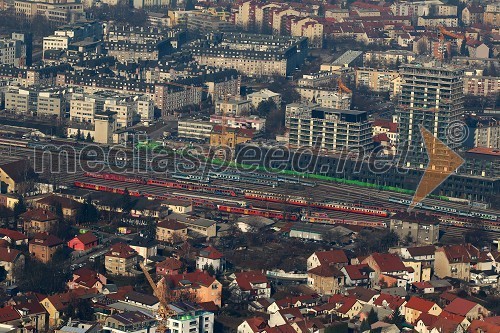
(249, 166)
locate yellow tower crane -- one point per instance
(161, 291)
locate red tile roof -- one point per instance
(331, 257)
(45, 239)
(257, 324)
(388, 262)
(325, 271)
(8, 313)
(87, 238)
(85, 277)
(358, 272)
(420, 251)
(448, 296)
(460, 253)
(444, 325)
(393, 302)
(422, 285)
(170, 264)
(460, 306)
(171, 225)
(427, 319)
(194, 279)
(483, 326)
(121, 250)
(419, 304)
(211, 252)
(39, 214)
(246, 279)
(8, 254)
(12, 234)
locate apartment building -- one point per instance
(438, 21)
(42, 102)
(233, 106)
(72, 33)
(432, 96)
(190, 318)
(479, 85)
(69, 11)
(194, 129)
(378, 80)
(251, 54)
(389, 57)
(330, 129)
(326, 97)
(264, 95)
(249, 122)
(308, 27)
(420, 229)
(121, 259)
(11, 52)
(317, 79)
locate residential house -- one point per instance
(487, 325)
(253, 325)
(31, 311)
(416, 306)
(87, 279)
(171, 231)
(326, 280)
(363, 295)
(57, 303)
(83, 242)
(43, 246)
(13, 237)
(389, 269)
(392, 302)
(210, 257)
(345, 307)
(16, 176)
(330, 258)
(69, 206)
(145, 246)
(146, 301)
(285, 316)
(250, 285)
(467, 309)
(455, 261)
(477, 49)
(472, 14)
(169, 266)
(38, 220)
(9, 315)
(9, 260)
(201, 226)
(422, 287)
(357, 275)
(199, 284)
(121, 259)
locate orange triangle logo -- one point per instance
(443, 161)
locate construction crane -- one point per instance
(161, 291)
(342, 87)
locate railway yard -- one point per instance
(250, 193)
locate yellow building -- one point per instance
(310, 28)
(15, 176)
(230, 137)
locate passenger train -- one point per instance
(446, 210)
(300, 201)
(272, 214)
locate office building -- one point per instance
(431, 96)
(331, 129)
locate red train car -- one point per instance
(272, 214)
(104, 188)
(116, 177)
(190, 187)
(299, 201)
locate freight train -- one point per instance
(164, 183)
(300, 201)
(272, 214)
(445, 210)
